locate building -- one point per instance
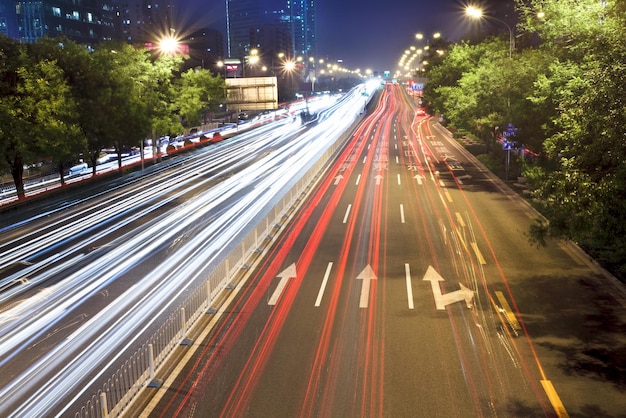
(271, 39)
(8, 19)
(242, 16)
(129, 18)
(250, 26)
(303, 22)
(86, 22)
(206, 48)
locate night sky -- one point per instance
(363, 33)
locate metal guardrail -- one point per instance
(139, 371)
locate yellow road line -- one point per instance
(460, 220)
(510, 316)
(479, 255)
(558, 406)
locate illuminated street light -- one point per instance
(290, 66)
(476, 13)
(168, 45)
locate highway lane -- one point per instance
(82, 284)
(404, 287)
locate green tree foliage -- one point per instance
(565, 92)
(480, 88)
(199, 92)
(583, 190)
(49, 113)
(15, 140)
(61, 101)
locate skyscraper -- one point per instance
(246, 17)
(87, 22)
(303, 26)
(242, 16)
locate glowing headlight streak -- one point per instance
(135, 247)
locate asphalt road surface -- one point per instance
(405, 286)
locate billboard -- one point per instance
(252, 93)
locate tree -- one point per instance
(49, 112)
(481, 89)
(583, 189)
(199, 92)
(16, 142)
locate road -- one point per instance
(88, 280)
(405, 286)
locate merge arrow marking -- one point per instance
(442, 300)
(285, 275)
(367, 275)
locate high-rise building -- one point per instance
(303, 26)
(247, 21)
(242, 16)
(8, 19)
(86, 22)
(206, 48)
(271, 39)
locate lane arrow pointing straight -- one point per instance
(367, 275)
(419, 178)
(285, 275)
(442, 300)
(378, 179)
(338, 179)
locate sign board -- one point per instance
(509, 131)
(252, 93)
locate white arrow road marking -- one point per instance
(285, 275)
(367, 275)
(442, 300)
(318, 301)
(338, 179)
(378, 179)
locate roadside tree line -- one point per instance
(60, 100)
(564, 89)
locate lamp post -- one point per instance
(476, 13)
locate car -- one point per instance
(78, 169)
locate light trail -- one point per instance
(239, 188)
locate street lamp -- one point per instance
(476, 13)
(168, 45)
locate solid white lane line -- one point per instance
(318, 301)
(345, 218)
(409, 288)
